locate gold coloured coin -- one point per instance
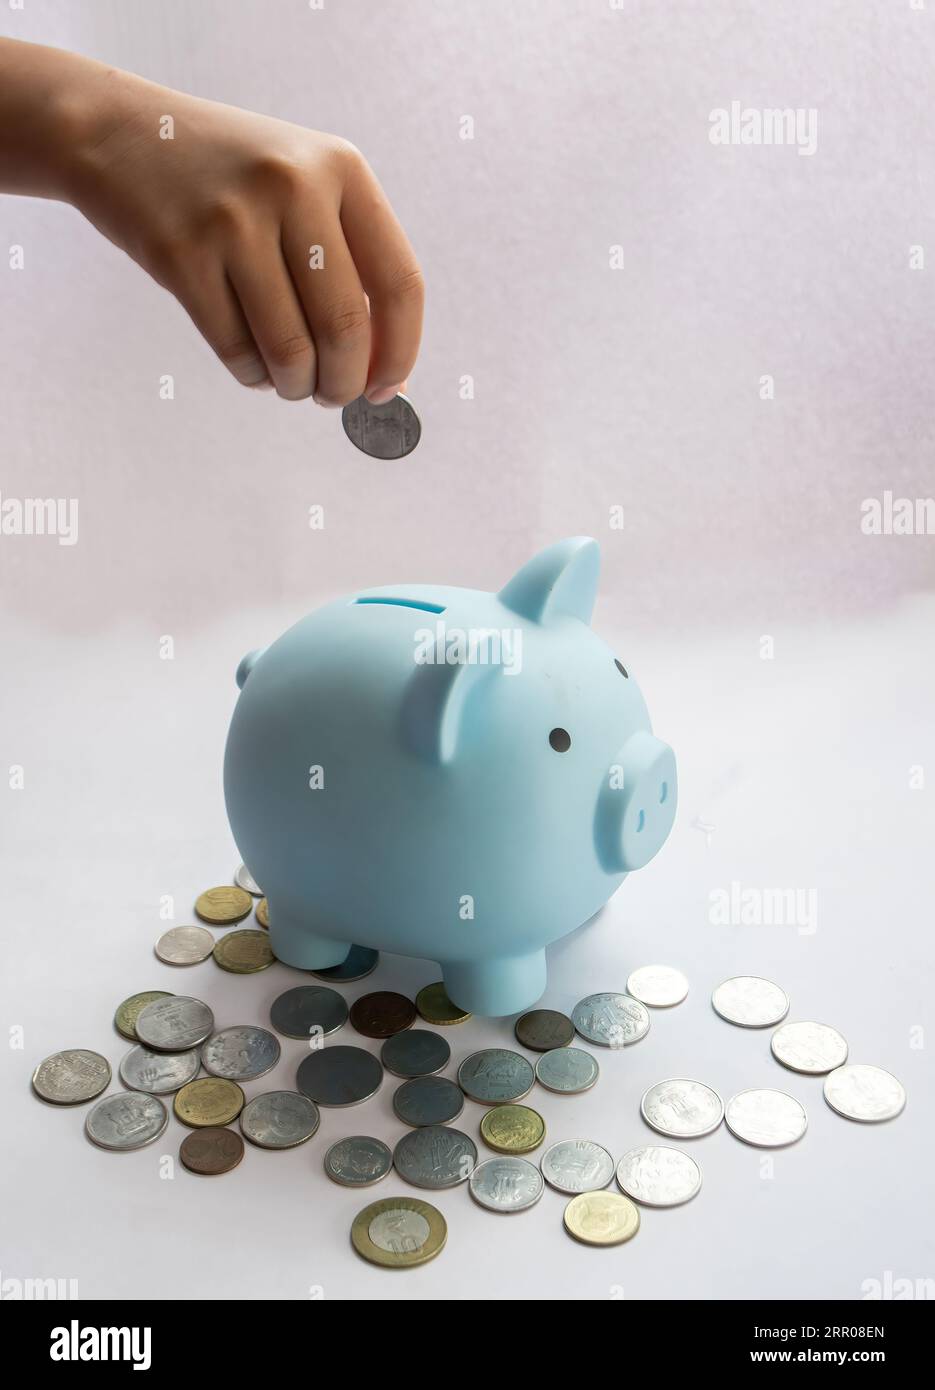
(262, 912)
(208, 1101)
(244, 952)
(223, 906)
(512, 1129)
(399, 1232)
(435, 1006)
(601, 1218)
(129, 1011)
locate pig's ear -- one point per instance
(436, 704)
(562, 579)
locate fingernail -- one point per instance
(381, 394)
(264, 385)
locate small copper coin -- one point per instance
(211, 1151)
(262, 913)
(381, 1014)
(542, 1030)
(223, 906)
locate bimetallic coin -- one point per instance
(336, 1076)
(512, 1129)
(435, 1007)
(399, 1233)
(308, 1011)
(567, 1070)
(865, 1093)
(506, 1184)
(279, 1120)
(244, 952)
(262, 913)
(435, 1157)
(681, 1108)
(496, 1076)
(611, 1020)
(601, 1218)
(416, 1052)
(577, 1165)
(223, 906)
(185, 945)
(126, 1121)
(129, 1011)
(383, 1013)
(812, 1048)
(241, 1053)
(658, 1176)
(659, 986)
(542, 1030)
(359, 962)
(174, 1024)
(750, 1001)
(211, 1151)
(358, 1161)
(244, 879)
(71, 1077)
(158, 1073)
(389, 431)
(767, 1119)
(208, 1101)
(428, 1100)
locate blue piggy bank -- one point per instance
(446, 773)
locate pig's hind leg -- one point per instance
(495, 988)
(296, 942)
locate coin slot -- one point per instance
(663, 793)
(641, 822)
(422, 606)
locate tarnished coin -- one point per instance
(750, 1001)
(223, 906)
(611, 1020)
(334, 1075)
(541, 1030)
(382, 1013)
(399, 1233)
(435, 1007)
(126, 1121)
(129, 1011)
(428, 1100)
(279, 1119)
(174, 1024)
(601, 1218)
(577, 1165)
(307, 1011)
(865, 1093)
(211, 1151)
(768, 1119)
(567, 1070)
(262, 913)
(208, 1101)
(435, 1157)
(416, 1052)
(244, 952)
(506, 1184)
(244, 879)
(389, 431)
(812, 1048)
(185, 945)
(658, 1176)
(241, 1053)
(359, 962)
(358, 1161)
(496, 1076)
(71, 1077)
(512, 1129)
(659, 986)
(681, 1108)
(158, 1073)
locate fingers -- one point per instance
(215, 311)
(277, 322)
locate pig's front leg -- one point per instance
(494, 988)
(296, 942)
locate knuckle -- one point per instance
(223, 218)
(240, 356)
(275, 175)
(406, 286)
(345, 326)
(294, 350)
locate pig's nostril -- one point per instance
(663, 793)
(641, 822)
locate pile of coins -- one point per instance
(174, 1038)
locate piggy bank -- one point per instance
(446, 773)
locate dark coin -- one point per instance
(388, 431)
(360, 961)
(543, 1029)
(306, 1010)
(211, 1151)
(381, 1014)
(334, 1075)
(428, 1100)
(416, 1052)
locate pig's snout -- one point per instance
(636, 807)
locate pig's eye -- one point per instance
(621, 668)
(560, 740)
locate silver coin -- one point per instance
(279, 1119)
(185, 945)
(568, 1070)
(174, 1024)
(750, 1002)
(158, 1073)
(415, 1052)
(359, 962)
(244, 879)
(336, 1075)
(506, 1184)
(71, 1077)
(611, 1020)
(812, 1048)
(496, 1076)
(768, 1119)
(658, 1176)
(660, 986)
(428, 1100)
(389, 431)
(577, 1165)
(308, 1010)
(435, 1157)
(126, 1121)
(241, 1053)
(358, 1161)
(682, 1108)
(865, 1093)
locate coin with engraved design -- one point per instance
(126, 1121)
(658, 1175)
(158, 1073)
(496, 1076)
(174, 1024)
(241, 1053)
(399, 1232)
(682, 1108)
(435, 1157)
(358, 1161)
(611, 1020)
(71, 1077)
(577, 1165)
(506, 1184)
(279, 1120)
